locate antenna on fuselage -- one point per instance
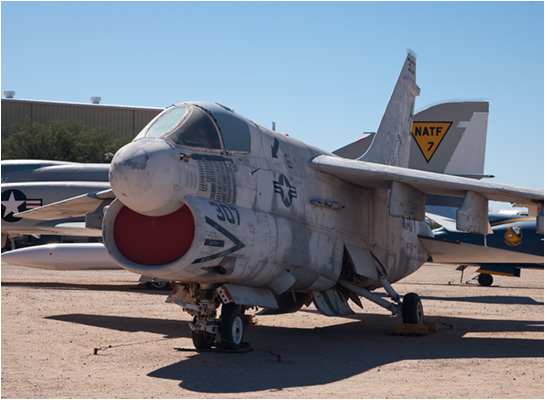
(274, 126)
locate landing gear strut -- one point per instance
(410, 309)
(202, 302)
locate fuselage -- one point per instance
(205, 195)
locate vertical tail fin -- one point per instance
(391, 144)
(450, 138)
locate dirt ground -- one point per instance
(489, 343)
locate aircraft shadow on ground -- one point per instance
(167, 328)
(516, 300)
(307, 354)
(122, 287)
(519, 300)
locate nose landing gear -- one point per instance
(202, 302)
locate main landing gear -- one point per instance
(410, 308)
(485, 279)
(202, 302)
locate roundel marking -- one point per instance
(15, 201)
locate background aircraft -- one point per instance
(23, 196)
(244, 216)
(36, 183)
(513, 244)
(28, 184)
(53, 171)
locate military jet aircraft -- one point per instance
(29, 184)
(512, 244)
(23, 196)
(44, 182)
(243, 216)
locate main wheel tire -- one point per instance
(411, 309)
(485, 279)
(231, 327)
(202, 341)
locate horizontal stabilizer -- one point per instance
(356, 149)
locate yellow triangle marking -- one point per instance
(428, 136)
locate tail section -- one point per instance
(391, 144)
(450, 138)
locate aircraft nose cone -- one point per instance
(143, 175)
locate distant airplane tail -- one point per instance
(391, 144)
(448, 138)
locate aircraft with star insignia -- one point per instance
(193, 200)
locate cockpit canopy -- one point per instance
(201, 125)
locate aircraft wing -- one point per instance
(448, 252)
(374, 175)
(408, 188)
(70, 208)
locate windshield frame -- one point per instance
(190, 109)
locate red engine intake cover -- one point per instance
(154, 240)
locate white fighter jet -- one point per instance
(243, 216)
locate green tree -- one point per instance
(64, 140)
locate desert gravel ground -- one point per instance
(489, 343)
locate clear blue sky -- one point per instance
(323, 71)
